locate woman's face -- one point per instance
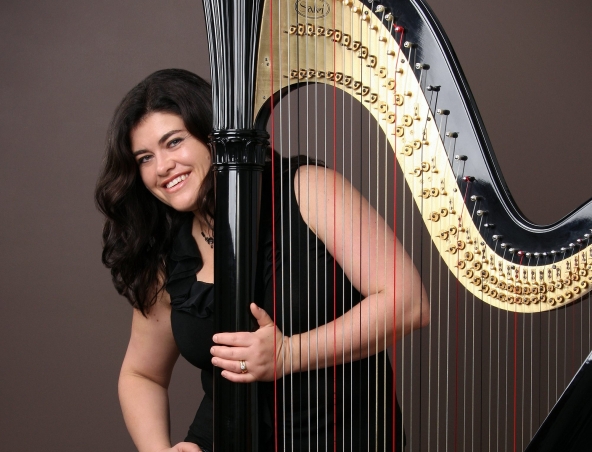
(172, 162)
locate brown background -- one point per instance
(64, 65)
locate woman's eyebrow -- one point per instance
(165, 137)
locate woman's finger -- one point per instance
(186, 447)
(230, 353)
(230, 365)
(240, 339)
(238, 378)
(262, 317)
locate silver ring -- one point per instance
(243, 367)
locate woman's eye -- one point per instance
(174, 142)
(144, 159)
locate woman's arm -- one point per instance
(144, 379)
(358, 238)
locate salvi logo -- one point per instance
(312, 9)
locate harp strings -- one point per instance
(481, 392)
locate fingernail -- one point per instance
(215, 338)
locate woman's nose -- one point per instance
(164, 164)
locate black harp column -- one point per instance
(239, 158)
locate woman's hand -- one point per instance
(183, 447)
(258, 350)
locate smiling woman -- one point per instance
(139, 227)
(156, 192)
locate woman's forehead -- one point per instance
(154, 127)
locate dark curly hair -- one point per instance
(138, 229)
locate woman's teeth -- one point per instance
(176, 180)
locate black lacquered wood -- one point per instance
(239, 156)
(568, 427)
(233, 34)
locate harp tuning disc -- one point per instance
(399, 29)
(528, 255)
(521, 253)
(435, 88)
(459, 157)
(452, 135)
(489, 225)
(480, 213)
(423, 66)
(475, 198)
(504, 245)
(389, 18)
(443, 112)
(410, 45)
(380, 8)
(571, 245)
(468, 178)
(497, 237)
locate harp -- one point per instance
(504, 291)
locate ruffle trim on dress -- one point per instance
(188, 294)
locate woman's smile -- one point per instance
(176, 182)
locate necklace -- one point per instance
(209, 240)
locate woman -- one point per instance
(156, 192)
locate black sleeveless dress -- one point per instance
(304, 280)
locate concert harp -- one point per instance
(504, 292)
